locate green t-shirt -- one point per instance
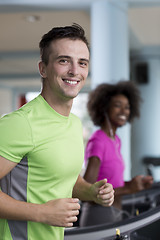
(48, 148)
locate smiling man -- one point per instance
(41, 147)
(65, 73)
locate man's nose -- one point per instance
(73, 69)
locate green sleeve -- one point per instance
(15, 136)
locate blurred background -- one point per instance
(124, 38)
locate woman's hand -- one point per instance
(139, 183)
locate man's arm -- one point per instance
(59, 212)
(100, 192)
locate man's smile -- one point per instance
(71, 81)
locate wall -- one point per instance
(146, 130)
(5, 100)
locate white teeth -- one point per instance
(122, 117)
(71, 82)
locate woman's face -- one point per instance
(119, 110)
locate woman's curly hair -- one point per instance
(99, 100)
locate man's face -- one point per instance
(67, 68)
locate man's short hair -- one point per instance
(74, 32)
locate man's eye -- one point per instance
(83, 64)
(63, 61)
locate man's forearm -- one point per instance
(13, 209)
(56, 212)
(100, 192)
(81, 190)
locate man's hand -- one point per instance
(102, 193)
(60, 212)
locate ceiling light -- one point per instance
(33, 18)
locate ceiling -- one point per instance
(22, 24)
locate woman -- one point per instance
(110, 106)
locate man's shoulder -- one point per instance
(30, 105)
(20, 114)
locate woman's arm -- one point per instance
(91, 173)
(136, 184)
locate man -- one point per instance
(41, 147)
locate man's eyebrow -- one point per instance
(68, 57)
(84, 59)
(63, 56)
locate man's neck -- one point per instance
(62, 107)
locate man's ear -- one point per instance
(42, 69)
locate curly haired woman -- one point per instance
(110, 106)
